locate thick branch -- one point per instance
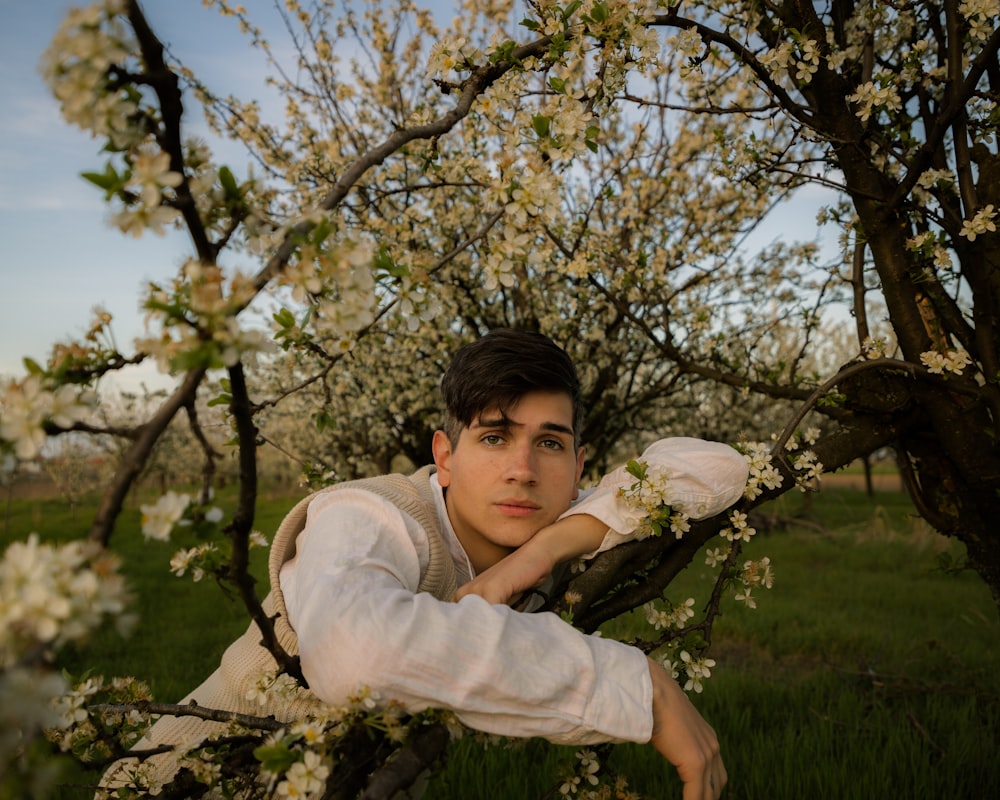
(946, 118)
(168, 93)
(424, 747)
(240, 527)
(137, 455)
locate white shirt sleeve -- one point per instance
(704, 478)
(351, 596)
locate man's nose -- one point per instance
(521, 465)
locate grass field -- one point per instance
(867, 672)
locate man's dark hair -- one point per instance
(497, 370)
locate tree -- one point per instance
(902, 101)
(596, 178)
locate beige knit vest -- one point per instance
(231, 686)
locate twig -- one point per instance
(191, 709)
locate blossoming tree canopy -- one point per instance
(595, 171)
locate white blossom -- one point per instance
(763, 473)
(50, 595)
(159, 518)
(984, 221)
(954, 361)
(873, 96)
(305, 778)
(151, 174)
(697, 669)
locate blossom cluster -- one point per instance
(754, 574)
(983, 221)
(158, 519)
(695, 669)
(739, 528)
(54, 594)
(50, 595)
(272, 687)
(26, 697)
(800, 59)
(340, 283)
(28, 405)
(296, 760)
(85, 723)
(80, 66)
(764, 474)
(981, 16)
(933, 246)
(77, 66)
(872, 348)
(874, 96)
(953, 361)
(651, 498)
(674, 617)
(194, 320)
(585, 774)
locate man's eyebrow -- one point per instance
(557, 427)
(506, 422)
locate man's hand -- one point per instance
(534, 561)
(505, 581)
(682, 736)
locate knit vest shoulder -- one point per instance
(234, 685)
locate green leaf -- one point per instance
(323, 420)
(504, 52)
(599, 12)
(229, 185)
(33, 367)
(541, 124)
(106, 180)
(384, 262)
(636, 469)
(109, 180)
(284, 318)
(321, 231)
(558, 46)
(557, 85)
(275, 758)
(571, 9)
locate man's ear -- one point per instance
(441, 447)
(581, 457)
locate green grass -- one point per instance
(866, 672)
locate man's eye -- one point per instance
(552, 444)
(492, 438)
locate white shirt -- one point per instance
(351, 596)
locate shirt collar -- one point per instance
(463, 567)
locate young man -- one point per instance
(364, 576)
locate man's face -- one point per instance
(506, 479)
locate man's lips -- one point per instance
(514, 507)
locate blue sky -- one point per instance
(59, 256)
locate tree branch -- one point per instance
(191, 709)
(241, 525)
(137, 455)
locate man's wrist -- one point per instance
(571, 537)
